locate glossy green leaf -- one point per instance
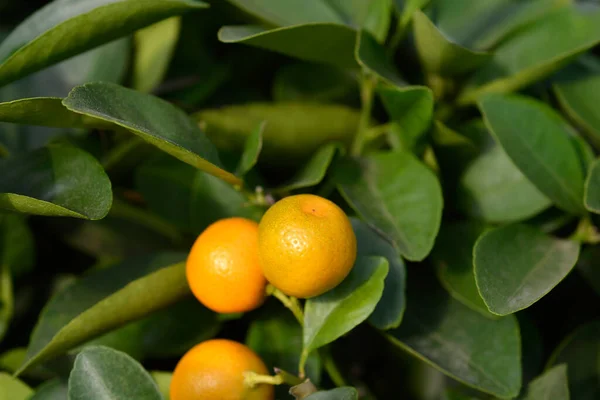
(411, 109)
(291, 12)
(552, 385)
(163, 381)
(154, 47)
(396, 194)
(493, 189)
(65, 28)
(439, 55)
(529, 57)
(588, 268)
(252, 150)
(55, 389)
(537, 140)
(313, 172)
(477, 351)
(104, 300)
(336, 312)
(592, 188)
(580, 352)
(343, 393)
(390, 309)
(153, 120)
(294, 129)
(453, 259)
(55, 181)
(103, 373)
(373, 57)
(319, 42)
(516, 265)
(13, 389)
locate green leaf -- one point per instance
(17, 250)
(163, 381)
(189, 198)
(332, 314)
(153, 120)
(477, 351)
(343, 393)
(102, 373)
(291, 12)
(13, 389)
(390, 309)
(57, 180)
(294, 129)
(154, 47)
(580, 352)
(587, 266)
(313, 172)
(439, 55)
(528, 57)
(397, 195)
(377, 18)
(251, 151)
(411, 109)
(516, 265)
(373, 57)
(493, 189)
(319, 42)
(55, 389)
(577, 89)
(6, 299)
(65, 28)
(11, 359)
(453, 259)
(537, 140)
(552, 385)
(104, 300)
(592, 188)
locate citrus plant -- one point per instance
(278, 199)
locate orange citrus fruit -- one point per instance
(306, 245)
(223, 268)
(214, 370)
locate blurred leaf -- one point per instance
(65, 28)
(397, 195)
(154, 48)
(313, 172)
(153, 120)
(102, 373)
(580, 352)
(373, 57)
(338, 311)
(453, 259)
(537, 140)
(55, 389)
(13, 389)
(12, 359)
(439, 55)
(531, 264)
(294, 129)
(163, 381)
(16, 244)
(55, 181)
(390, 308)
(6, 299)
(377, 17)
(477, 351)
(528, 56)
(552, 385)
(592, 188)
(104, 300)
(343, 393)
(318, 42)
(251, 152)
(588, 266)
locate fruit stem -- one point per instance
(366, 95)
(291, 303)
(586, 232)
(332, 369)
(252, 379)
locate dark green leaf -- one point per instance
(460, 342)
(102, 373)
(65, 28)
(396, 194)
(537, 140)
(6, 299)
(152, 119)
(332, 314)
(104, 300)
(390, 309)
(552, 385)
(592, 188)
(343, 393)
(55, 389)
(13, 389)
(313, 172)
(16, 244)
(55, 181)
(580, 352)
(251, 151)
(516, 265)
(373, 57)
(587, 266)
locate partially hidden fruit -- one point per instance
(214, 370)
(306, 245)
(223, 268)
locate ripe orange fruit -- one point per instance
(223, 268)
(214, 370)
(306, 245)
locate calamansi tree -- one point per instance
(324, 199)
